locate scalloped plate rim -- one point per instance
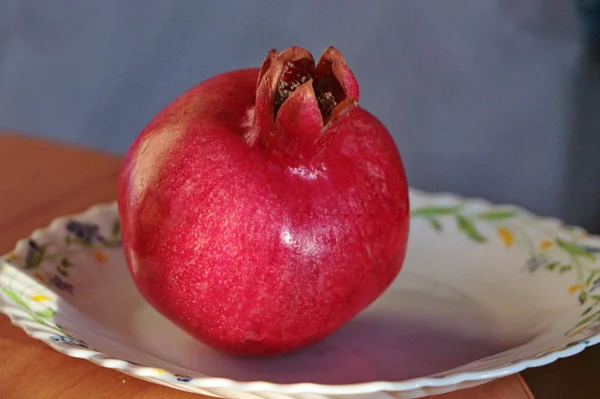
(100, 359)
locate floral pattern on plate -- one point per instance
(507, 223)
(63, 263)
(51, 262)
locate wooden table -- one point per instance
(40, 180)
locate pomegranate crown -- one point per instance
(296, 99)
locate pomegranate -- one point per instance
(264, 208)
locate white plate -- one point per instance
(486, 291)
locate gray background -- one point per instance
(484, 98)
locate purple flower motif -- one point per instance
(183, 378)
(69, 341)
(592, 250)
(86, 232)
(33, 246)
(136, 364)
(62, 284)
(595, 284)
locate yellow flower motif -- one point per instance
(546, 244)
(506, 236)
(160, 371)
(574, 288)
(40, 298)
(99, 256)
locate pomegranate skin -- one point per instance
(262, 222)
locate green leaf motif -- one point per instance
(40, 317)
(585, 320)
(583, 297)
(430, 211)
(588, 310)
(116, 228)
(46, 313)
(552, 266)
(497, 215)
(64, 262)
(574, 249)
(16, 298)
(435, 224)
(469, 228)
(565, 268)
(35, 259)
(41, 320)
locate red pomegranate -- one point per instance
(264, 208)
